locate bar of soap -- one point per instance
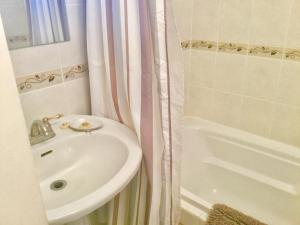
(85, 125)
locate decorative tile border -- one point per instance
(204, 45)
(265, 51)
(292, 54)
(232, 48)
(244, 49)
(75, 72)
(39, 80)
(49, 78)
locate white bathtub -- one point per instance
(254, 175)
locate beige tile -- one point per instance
(286, 125)
(44, 102)
(230, 71)
(206, 20)
(203, 68)
(77, 94)
(227, 108)
(235, 18)
(289, 84)
(186, 54)
(35, 59)
(74, 51)
(261, 77)
(256, 116)
(187, 68)
(183, 10)
(293, 38)
(269, 21)
(199, 102)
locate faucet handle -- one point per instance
(57, 116)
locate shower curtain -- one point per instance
(136, 78)
(47, 21)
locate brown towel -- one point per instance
(224, 215)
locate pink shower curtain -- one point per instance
(136, 78)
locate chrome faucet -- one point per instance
(41, 130)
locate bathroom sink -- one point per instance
(79, 172)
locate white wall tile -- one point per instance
(293, 38)
(35, 59)
(289, 84)
(257, 116)
(200, 102)
(74, 51)
(203, 68)
(286, 124)
(77, 95)
(230, 70)
(44, 102)
(261, 77)
(269, 22)
(206, 20)
(238, 90)
(183, 11)
(227, 108)
(235, 19)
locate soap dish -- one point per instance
(85, 125)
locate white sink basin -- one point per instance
(86, 170)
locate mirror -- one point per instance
(34, 22)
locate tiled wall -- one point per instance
(253, 83)
(54, 78)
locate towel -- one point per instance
(223, 215)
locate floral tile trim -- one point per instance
(244, 49)
(204, 45)
(195, 44)
(38, 80)
(292, 54)
(49, 78)
(232, 47)
(265, 51)
(186, 44)
(75, 72)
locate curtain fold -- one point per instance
(136, 78)
(47, 21)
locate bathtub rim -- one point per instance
(194, 206)
(280, 148)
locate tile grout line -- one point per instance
(284, 47)
(248, 96)
(220, 10)
(246, 60)
(67, 102)
(187, 78)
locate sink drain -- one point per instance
(58, 185)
